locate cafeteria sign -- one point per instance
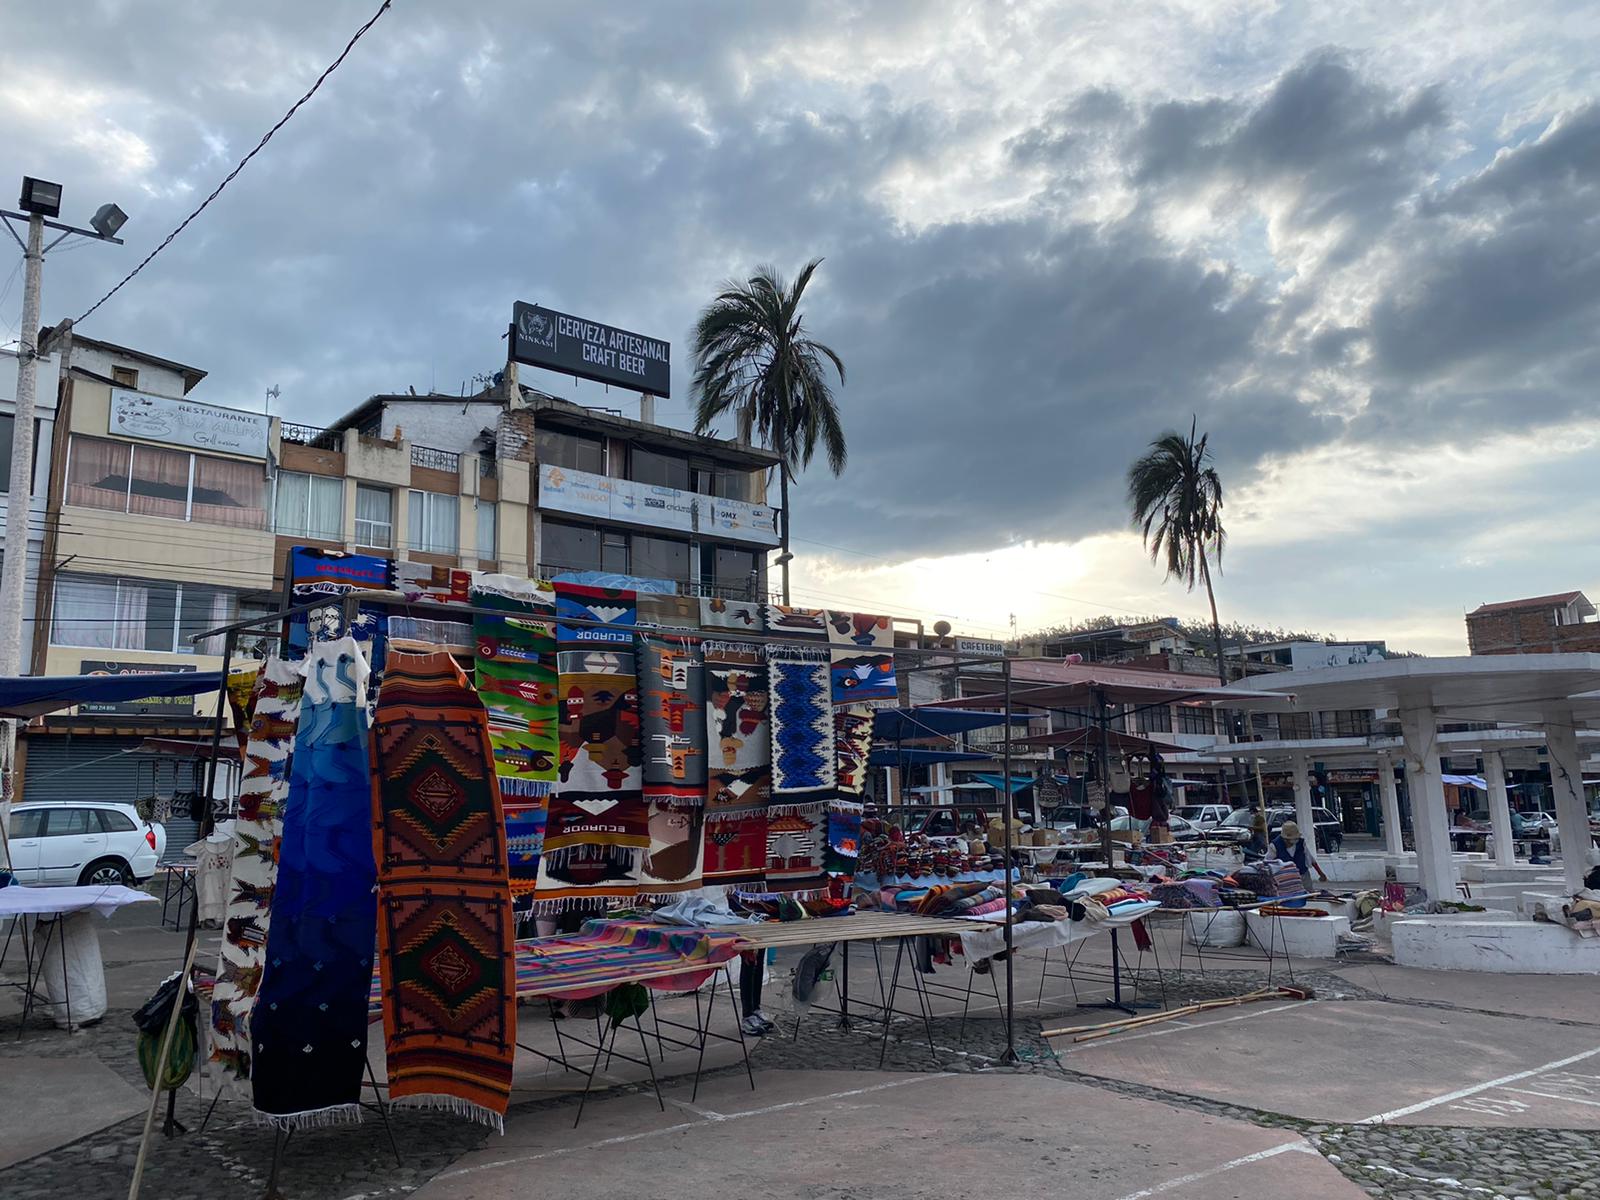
(149, 706)
(542, 337)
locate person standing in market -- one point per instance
(1257, 845)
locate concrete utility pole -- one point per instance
(40, 200)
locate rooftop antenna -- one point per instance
(273, 393)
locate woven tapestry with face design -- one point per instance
(739, 762)
(598, 827)
(672, 694)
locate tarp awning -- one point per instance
(997, 781)
(1088, 740)
(1471, 781)
(897, 724)
(28, 696)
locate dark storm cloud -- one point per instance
(1004, 369)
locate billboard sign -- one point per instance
(562, 489)
(185, 423)
(542, 337)
(152, 706)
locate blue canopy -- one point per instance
(896, 724)
(28, 696)
(913, 756)
(996, 780)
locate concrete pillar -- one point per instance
(891, 777)
(1566, 780)
(941, 785)
(1393, 836)
(1303, 816)
(1430, 823)
(1494, 774)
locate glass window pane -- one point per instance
(660, 558)
(433, 521)
(97, 473)
(112, 821)
(734, 568)
(487, 531)
(229, 493)
(27, 823)
(614, 553)
(157, 603)
(65, 822)
(414, 520)
(573, 547)
(569, 450)
(84, 611)
(374, 516)
(325, 509)
(291, 503)
(205, 608)
(664, 470)
(160, 483)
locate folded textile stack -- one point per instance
(1286, 880)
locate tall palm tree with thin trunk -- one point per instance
(753, 358)
(1176, 498)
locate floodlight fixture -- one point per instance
(40, 198)
(107, 219)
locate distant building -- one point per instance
(1303, 655)
(1562, 623)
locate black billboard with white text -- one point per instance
(542, 337)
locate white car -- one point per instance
(1206, 816)
(85, 842)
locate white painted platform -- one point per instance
(1499, 945)
(1302, 937)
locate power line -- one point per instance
(243, 162)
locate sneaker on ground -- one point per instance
(753, 1027)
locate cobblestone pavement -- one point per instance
(231, 1157)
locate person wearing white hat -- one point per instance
(1289, 846)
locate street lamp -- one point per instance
(40, 202)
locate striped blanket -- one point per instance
(605, 953)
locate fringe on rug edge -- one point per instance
(316, 1118)
(456, 1106)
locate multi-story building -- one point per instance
(169, 517)
(1560, 624)
(1301, 654)
(44, 427)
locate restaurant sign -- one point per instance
(542, 337)
(150, 706)
(185, 423)
(561, 489)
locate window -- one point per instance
(663, 470)
(7, 425)
(660, 558)
(570, 450)
(1294, 725)
(1196, 718)
(487, 528)
(160, 483)
(374, 516)
(137, 614)
(614, 553)
(153, 482)
(728, 570)
(310, 506)
(728, 482)
(576, 547)
(125, 376)
(67, 822)
(1154, 720)
(111, 821)
(432, 522)
(28, 823)
(1356, 722)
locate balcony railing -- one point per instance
(311, 435)
(437, 460)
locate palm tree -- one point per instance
(753, 358)
(1176, 498)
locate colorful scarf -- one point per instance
(672, 693)
(739, 767)
(445, 938)
(598, 826)
(308, 1029)
(274, 704)
(516, 670)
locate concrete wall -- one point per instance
(153, 380)
(449, 426)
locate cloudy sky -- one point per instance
(1358, 241)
